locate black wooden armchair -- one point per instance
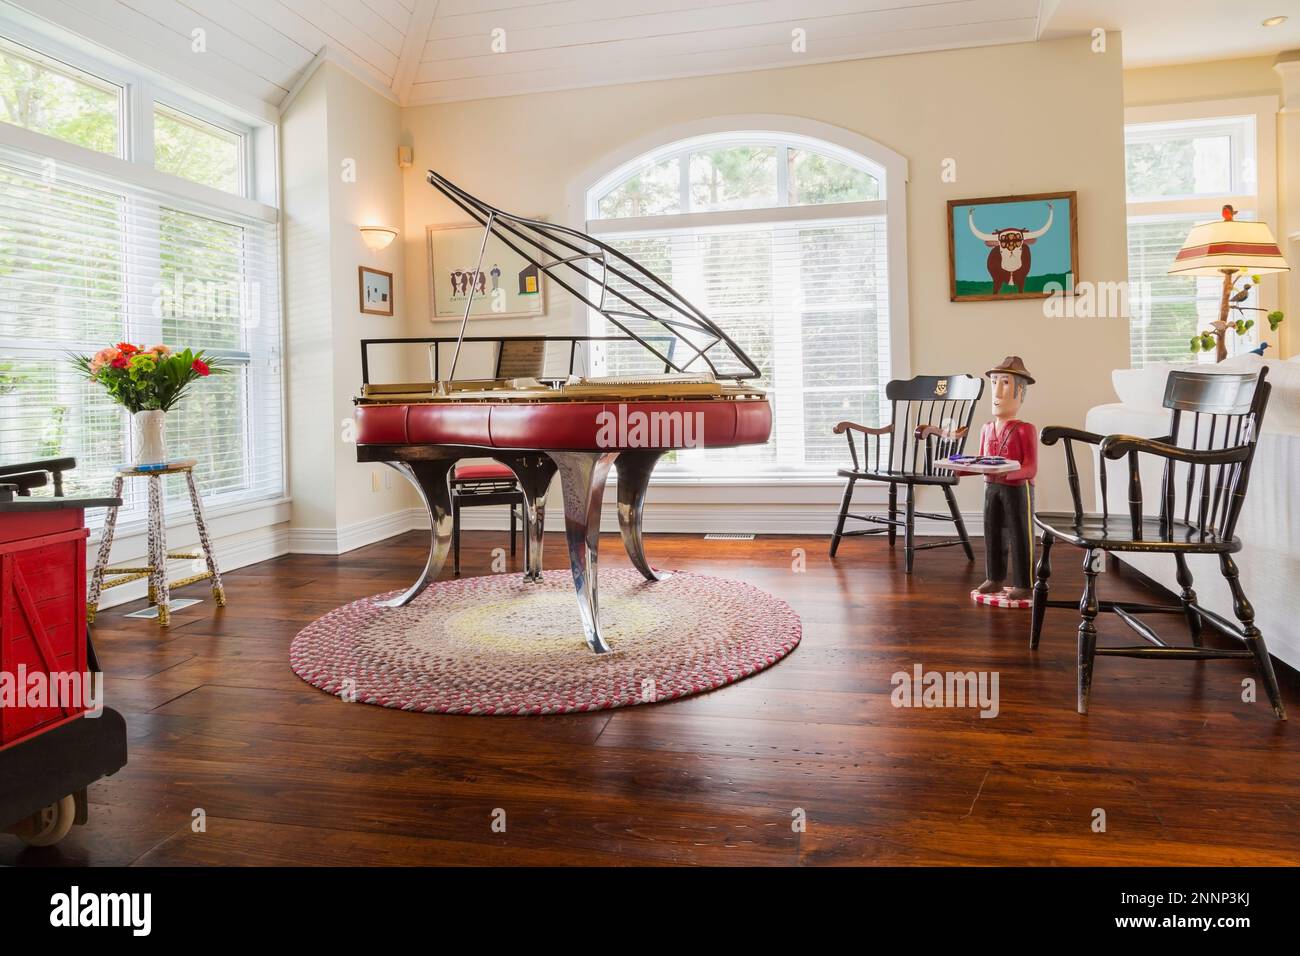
(929, 420)
(1220, 416)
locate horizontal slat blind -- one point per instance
(1166, 311)
(809, 303)
(87, 262)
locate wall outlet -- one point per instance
(388, 480)
(376, 481)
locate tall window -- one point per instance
(782, 242)
(1179, 173)
(125, 216)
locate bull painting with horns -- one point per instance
(1013, 247)
(1009, 254)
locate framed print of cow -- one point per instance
(1012, 247)
(506, 285)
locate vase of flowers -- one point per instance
(147, 382)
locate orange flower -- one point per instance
(103, 357)
(126, 348)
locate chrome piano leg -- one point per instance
(432, 481)
(582, 482)
(534, 473)
(634, 470)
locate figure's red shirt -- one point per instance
(1019, 442)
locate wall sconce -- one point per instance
(378, 237)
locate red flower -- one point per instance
(126, 348)
(121, 361)
(201, 367)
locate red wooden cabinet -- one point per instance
(42, 620)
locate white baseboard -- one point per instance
(356, 535)
(704, 519)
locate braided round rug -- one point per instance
(497, 645)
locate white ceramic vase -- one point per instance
(148, 431)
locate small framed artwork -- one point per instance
(507, 285)
(1013, 247)
(376, 291)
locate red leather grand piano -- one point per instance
(578, 426)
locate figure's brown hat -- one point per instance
(1012, 365)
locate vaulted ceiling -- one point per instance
(429, 51)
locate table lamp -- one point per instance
(1233, 248)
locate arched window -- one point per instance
(784, 241)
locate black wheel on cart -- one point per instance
(48, 825)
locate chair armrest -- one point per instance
(842, 427)
(1117, 446)
(1054, 433)
(944, 434)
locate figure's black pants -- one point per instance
(1009, 527)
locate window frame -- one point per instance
(889, 168)
(682, 150)
(1260, 204)
(133, 167)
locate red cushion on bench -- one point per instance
(494, 471)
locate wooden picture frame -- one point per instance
(375, 297)
(1038, 258)
(511, 287)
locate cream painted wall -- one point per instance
(308, 344)
(1060, 129)
(1215, 79)
(336, 119)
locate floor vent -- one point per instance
(728, 536)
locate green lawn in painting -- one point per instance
(1033, 283)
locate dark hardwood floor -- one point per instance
(1185, 772)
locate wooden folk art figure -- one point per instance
(1009, 495)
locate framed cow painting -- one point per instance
(1013, 247)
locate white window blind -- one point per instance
(808, 302)
(85, 262)
(1179, 173)
(782, 240)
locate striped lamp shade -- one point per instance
(1228, 244)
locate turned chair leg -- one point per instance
(845, 502)
(893, 513)
(1254, 639)
(1188, 598)
(909, 530)
(1039, 610)
(959, 522)
(1088, 609)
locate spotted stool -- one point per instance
(155, 568)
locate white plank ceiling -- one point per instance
(430, 51)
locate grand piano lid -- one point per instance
(633, 298)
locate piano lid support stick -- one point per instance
(634, 470)
(432, 482)
(469, 299)
(582, 481)
(534, 473)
